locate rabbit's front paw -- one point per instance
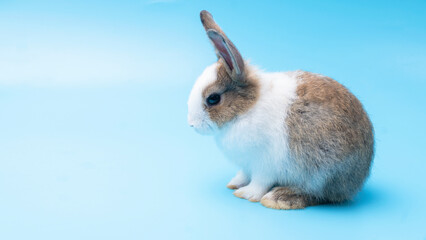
(251, 192)
(240, 180)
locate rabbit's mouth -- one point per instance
(202, 127)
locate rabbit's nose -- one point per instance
(190, 121)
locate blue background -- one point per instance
(94, 142)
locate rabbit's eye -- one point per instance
(213, 99)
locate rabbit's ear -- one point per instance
(225, 49)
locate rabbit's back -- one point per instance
(330, 133)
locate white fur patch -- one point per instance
(197, 116)
(257, 140)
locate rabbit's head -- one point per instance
(226, 89)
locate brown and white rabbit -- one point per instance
(300, 138)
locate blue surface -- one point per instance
(94, 142)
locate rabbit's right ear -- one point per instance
(225, 49)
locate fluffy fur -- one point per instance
(197, 116)
(302, 133)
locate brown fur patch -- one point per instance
(237, 97)
(209, 23)
(286, 198)
(330, 134)
(233, 187)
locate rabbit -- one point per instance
(300, 138)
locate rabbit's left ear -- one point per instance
(225, 49)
